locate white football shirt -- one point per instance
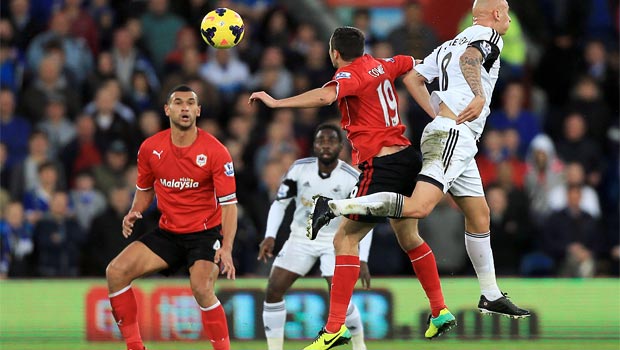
(302, 182)
(443, 64)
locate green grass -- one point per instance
(444, 344)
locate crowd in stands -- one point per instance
(83, 83)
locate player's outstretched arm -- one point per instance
(416, 86)
(319, 97)
(223, 256)
(141, 201)
(470, 63)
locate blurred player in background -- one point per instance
(467, 68)
(323, 174)
(364, 88)
(192, 174)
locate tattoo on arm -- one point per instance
(470, 63)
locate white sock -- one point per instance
(274, 317)
(376, 204)
(355, 326)
(479, 250)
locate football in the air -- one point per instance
(222, 28)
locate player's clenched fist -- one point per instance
(128, 222)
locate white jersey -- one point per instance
(302, 182)
(443, 63)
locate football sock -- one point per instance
(377, 204)
(479, 250)
(346, 273)
(274, 317)
(425, 267)
(356, 327)
(215, 326)
(125, 311)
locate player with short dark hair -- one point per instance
(192, 174)
(364, 89)
(325, 174)
(467, 68)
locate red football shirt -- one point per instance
(191, 183)
(369, 104)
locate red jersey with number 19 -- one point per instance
(191, 183)
(369, 104)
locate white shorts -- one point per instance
(448, 152)
(299, 257)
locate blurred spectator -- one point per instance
(11, 63)
(149, 123)
(128, 60)
(48, 83)
(110, 124)
(59, 240)
(104, 16)
(16, 242)
(87, 201)
(141, 96)
(514, 115)
(245, 248)
(304, 37)
(572, 237)
(276, 29)
(575, 176)
(15, 130)
(110, 173)
(104, 71)
(226, 72)
(577, 147)
(4, 170)
(413, 37)
(85, 151)
(25, 175)
(510, 231)
(272, 75)
(37, 201)
(443, 230)
(187, 39)
(544, 173)
(280, 140)
(105, 239)
(361, 20)
(317, 68)
(112, 89)
(59, 129)
(82, 25)
(587, 100)
(161, 35)
(25, 27)
(494, 152)
(78, 56)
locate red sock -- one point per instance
(125, 311)
(215, 326)
(425, 267)
(346, 273)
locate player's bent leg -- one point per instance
(134, 261)
(425, 267)
(202, 277)
(478, 246)
(274, 307)
(389, 204)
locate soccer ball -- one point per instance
(222, 28)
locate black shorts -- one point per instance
(396, 172)
(180, 250)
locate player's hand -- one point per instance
(263, 96)
(223, 257)
(472, 111)
(265, 249)
(365, 274)
(128, 222)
